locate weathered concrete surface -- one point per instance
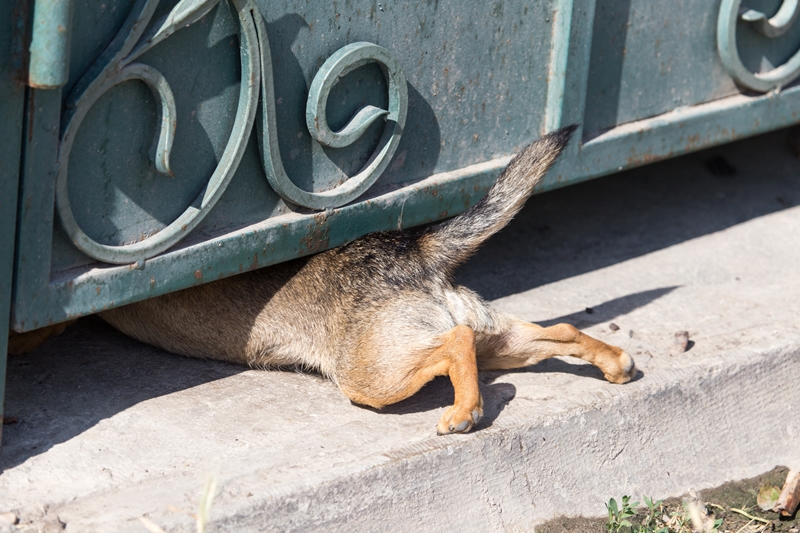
(111, 430)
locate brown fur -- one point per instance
(380, 316)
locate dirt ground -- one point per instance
(719, 501)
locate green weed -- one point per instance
(618, 517)
(624, 517)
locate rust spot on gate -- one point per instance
(317, 238)
(31, 114)
(20, 38)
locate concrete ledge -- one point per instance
(111, 430)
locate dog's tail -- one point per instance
(450, 243)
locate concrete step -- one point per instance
(110, 431)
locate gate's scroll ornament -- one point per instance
(118, 64)
(729, 12)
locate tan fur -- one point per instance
(380, 316)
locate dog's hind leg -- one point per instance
(453, 354)
(522, 343)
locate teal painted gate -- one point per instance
(151, 146)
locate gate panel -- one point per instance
(193, 140)
(12, 93)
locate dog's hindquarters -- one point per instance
(380, 316)
(395, 355)
(407, 342)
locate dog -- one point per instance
(380, 316)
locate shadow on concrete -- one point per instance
(89, 373)
(610, 309)
(439, 393)
(586, 227)
(555, 366)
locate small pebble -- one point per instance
(680, 343)
(589, 310)
(8, 519)
(613, 327)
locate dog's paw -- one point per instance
(458, 419)
(624, 369)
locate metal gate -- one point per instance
(149, 145)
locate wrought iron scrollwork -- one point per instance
(339, 64)
(119, 64)
(730, 11)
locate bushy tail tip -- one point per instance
(452, 242)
